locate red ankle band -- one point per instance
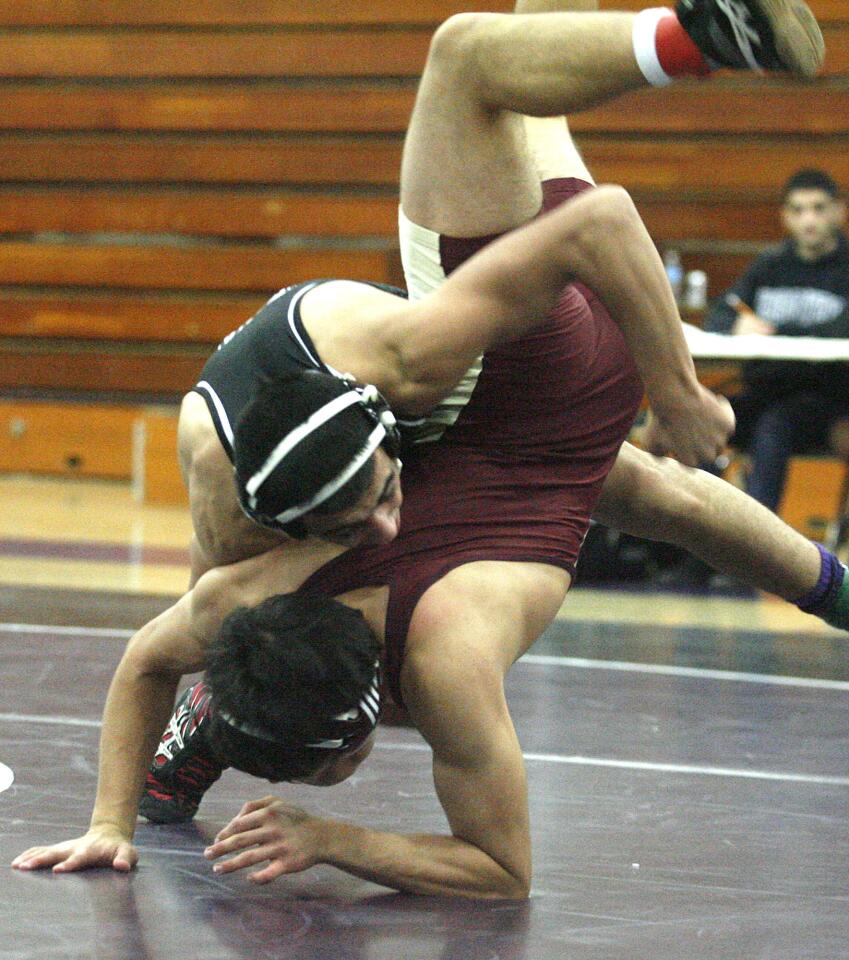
(677, 53)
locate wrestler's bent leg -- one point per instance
(465, 138)
(465, 142)
(659, 499)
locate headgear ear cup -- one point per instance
(303, 442)
(378, 410)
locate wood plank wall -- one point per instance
(165, 167)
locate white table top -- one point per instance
(722, 346)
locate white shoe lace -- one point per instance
(176, 725)
(744, 33)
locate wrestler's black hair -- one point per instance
(278, 407)
(810, 179)
(288, 666)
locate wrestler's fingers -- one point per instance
(238, 841)
(37, 857)
(240, 824)
(125, 859)
(23, 857)
(77, 861)
(253, 805)
(247, 858)
(274, 870)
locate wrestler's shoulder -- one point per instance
(332, 293)
(349, 308)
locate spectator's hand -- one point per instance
(695, 429)
(267, 830)
(101, 847)
(838, 437)
(751, 323)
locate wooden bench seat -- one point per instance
(126, 317)
(247, 268)
(353, 107)
(269, 213)
(99, 371)
(228, 212)
(391, 52)
(688, 109)
(755, 167)
(394, 52)
(177, 159)
(236, 13)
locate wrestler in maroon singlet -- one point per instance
(519, 474)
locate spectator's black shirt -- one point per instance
(800, 298)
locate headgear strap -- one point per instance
(385, 432)
(361, 719)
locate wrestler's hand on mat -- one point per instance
(102, 846)
(694, 429)
(267, 830)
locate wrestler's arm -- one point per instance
(419, 354)
(458, 704)
(222, 532)
(141, 698)
(138, 706)
(479, 776)
(599, 239)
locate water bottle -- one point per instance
(695, 290)
(674, 272)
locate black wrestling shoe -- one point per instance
(184, 767)
(755, 34)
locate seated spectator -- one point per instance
(798, 288)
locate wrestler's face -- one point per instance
(375, 519)
(812, 218)
(338, 766)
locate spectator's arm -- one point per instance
(722, 315)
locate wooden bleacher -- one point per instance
(165, 167)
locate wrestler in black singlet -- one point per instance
(273, 343)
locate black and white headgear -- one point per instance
(302, 440)
(341, 733)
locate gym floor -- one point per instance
(687, 765)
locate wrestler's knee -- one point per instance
(654, 496)
(453, 47)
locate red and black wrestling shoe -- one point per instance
(184, 767)
(755, 34)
